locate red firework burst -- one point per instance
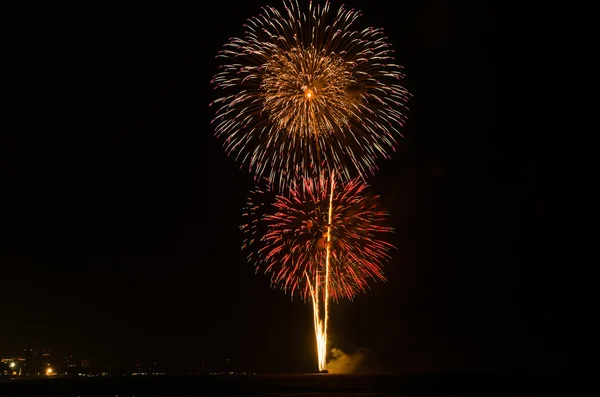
(294, 230)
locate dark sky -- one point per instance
(120, 209)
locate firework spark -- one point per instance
(290, 237)
(307, 91)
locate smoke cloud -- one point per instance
(342, 363)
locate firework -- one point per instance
(314, 229)
(306, 91)
(320, 242)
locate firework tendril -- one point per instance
(287, 238)
(306, 91)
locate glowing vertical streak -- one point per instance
(314, 294)
(320, 324)
(317, 318)
(328, 254)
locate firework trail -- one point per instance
(321, 240)
(306, 92)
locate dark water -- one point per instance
(309, 385)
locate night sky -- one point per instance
(120, 214)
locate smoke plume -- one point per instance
(342, 363)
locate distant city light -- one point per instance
(49, 371)
(12, 365)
